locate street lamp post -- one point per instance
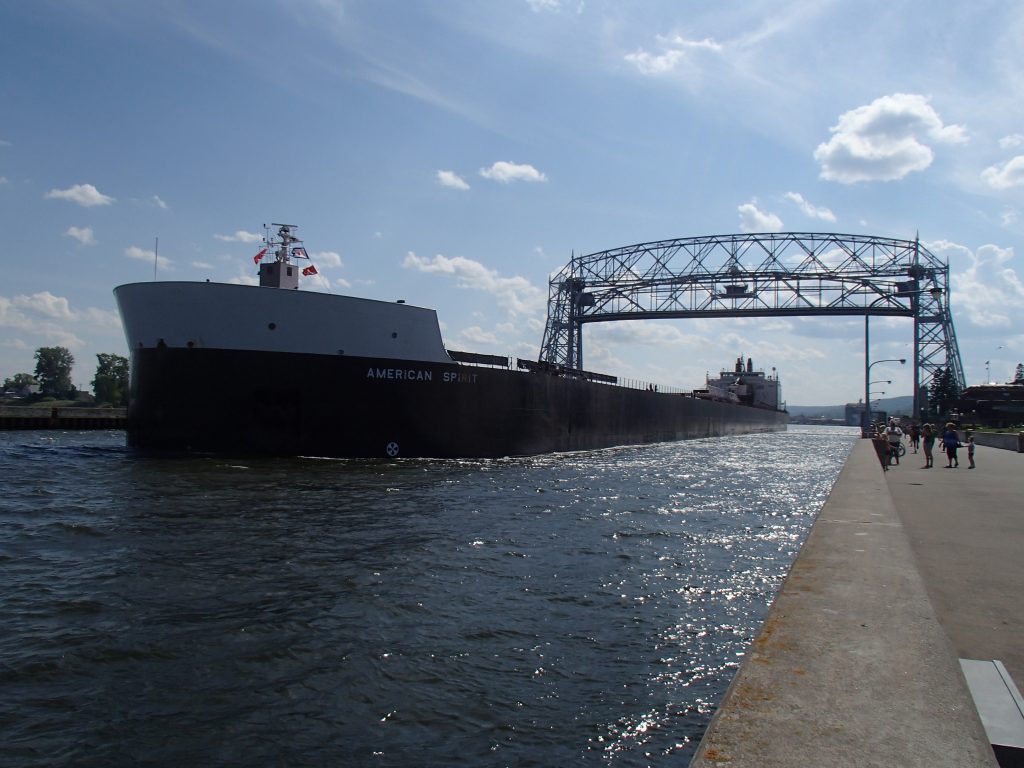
(878, 381)
(868, 383)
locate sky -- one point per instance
(456, 153)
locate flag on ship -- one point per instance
(310, 270)
(258, 256)
(299, 253)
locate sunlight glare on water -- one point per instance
(585, 608)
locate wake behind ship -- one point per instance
(270, 369)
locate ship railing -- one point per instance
(553, 369)
(602, 378)
(475, 358)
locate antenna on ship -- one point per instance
(156, 256)
(280, 272)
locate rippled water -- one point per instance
(579, 609)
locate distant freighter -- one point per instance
(269, 369)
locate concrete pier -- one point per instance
(71, 418)
(857, 664)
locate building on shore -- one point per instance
(992, 405)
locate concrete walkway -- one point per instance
(854, 666)
(966, 530)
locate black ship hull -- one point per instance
(282, 403)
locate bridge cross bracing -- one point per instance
(758, 275)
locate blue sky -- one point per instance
(455, 153)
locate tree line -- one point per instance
(53, 377)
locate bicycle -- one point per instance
(897, 451)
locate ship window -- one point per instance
(272, 326)
(394, 335)
(289, 271)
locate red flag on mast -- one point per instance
(258, 256)
(310, 270)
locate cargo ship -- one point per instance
(273, 370)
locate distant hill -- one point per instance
(890, 405)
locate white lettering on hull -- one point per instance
(460, 378)
(415, 374)
(400, 374)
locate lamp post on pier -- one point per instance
(868, 383)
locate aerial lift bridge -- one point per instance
(760, 275)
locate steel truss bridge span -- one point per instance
(758, 275)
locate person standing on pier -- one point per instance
(894, 434)
(928, 442)
(970, 451)
(915, 436)
(950, 442)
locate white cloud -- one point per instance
(11, 318)
(516, 294)
(10, 343)
(3, 179)
(753, 219)
(46, 304)
(202, 265)
(240, 236)
(673, 51)
(506, 172)
(1011, 141)
(326, 259)
(452, 180)
(134, 252)
(244, 279)
(158, 202)
(651, 333)
(1011, 174)
(475, 335)
(537, 6)
(988, 292)
(884, 140)
(810, 210)
(318, 282)
(83, 235)
(86, 195)
(45, 319)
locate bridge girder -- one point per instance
(751, 275)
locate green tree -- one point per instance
(19, 381)
(53, 371)
(926, 407)
(943, 393)
(1018, 375)
(111, 382)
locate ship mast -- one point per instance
(281, 273)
